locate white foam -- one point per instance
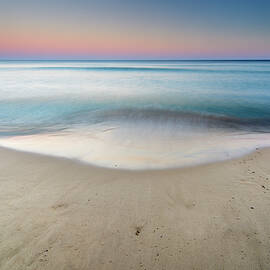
(128, 148)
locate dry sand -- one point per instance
(60, 214)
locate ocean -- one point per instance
(135, 114)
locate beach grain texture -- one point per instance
(59, 214)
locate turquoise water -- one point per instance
(161, 100)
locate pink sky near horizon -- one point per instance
(34, 43)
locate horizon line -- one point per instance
(192, 59)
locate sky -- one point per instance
(134, 29)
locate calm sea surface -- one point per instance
(135, 114)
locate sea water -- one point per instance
(135, 114)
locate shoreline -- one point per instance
(124, 169)
(61, 214)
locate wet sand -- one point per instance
(61, 214)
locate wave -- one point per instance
(142, 69)
(151, 119)
(175, 119)
(142, 139)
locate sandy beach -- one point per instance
(62, 214)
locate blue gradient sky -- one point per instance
(114, 29)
